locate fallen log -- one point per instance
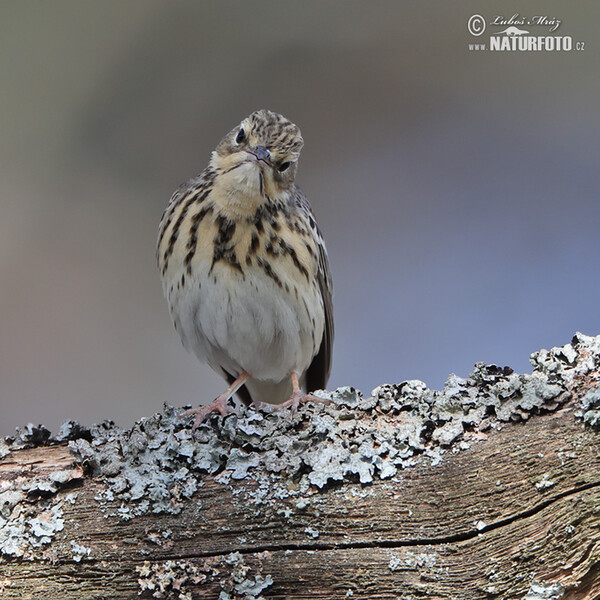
(489, 488)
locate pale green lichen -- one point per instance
(171, 579)
(79, 552)
(545, 482)
(4, 449)
(26, 526)
(240, 585)
(590, 408)
(159, 463)
(545, 591)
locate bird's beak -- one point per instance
(261, 154)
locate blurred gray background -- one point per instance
(457, 190)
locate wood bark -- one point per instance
(515, 515)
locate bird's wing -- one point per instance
(318, 371)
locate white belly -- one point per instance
(248, 323)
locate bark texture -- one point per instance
(489, 488)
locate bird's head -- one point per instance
(260, 155)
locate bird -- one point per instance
(245, 270)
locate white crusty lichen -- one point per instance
(159, 464)
(545, 482)
(545, 591)
(169, 579)
(410, 561)
(241, 585)
(176, 579)
(31, 503)
(590, 408)
(26, 526)
(4, 449)
(79, 552)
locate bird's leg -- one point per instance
(219, 404)
(299, 396)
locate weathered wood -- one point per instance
(517, 512)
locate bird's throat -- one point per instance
(239, 191)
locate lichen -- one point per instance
(79, 552)
(29, 436)
(169, 579)
(590, 408)
(27, 526)
(240, 585)
(545, 591)
(405, 560)
(562, 364)
(4, 449)
(544, 482)
(175, 579)
(159, 463)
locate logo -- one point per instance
(512, 30)
(476, 25)
(519, 33)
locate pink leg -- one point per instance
(219, 404)
(299, 396)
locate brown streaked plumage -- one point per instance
(245, 270)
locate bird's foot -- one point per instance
(218, 405)
(298, 397)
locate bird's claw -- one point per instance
(218, 405)
(299, 397)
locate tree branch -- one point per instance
(488, 488)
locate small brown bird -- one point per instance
(245, 270)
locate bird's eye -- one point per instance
(283, 167)
(241, 136)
